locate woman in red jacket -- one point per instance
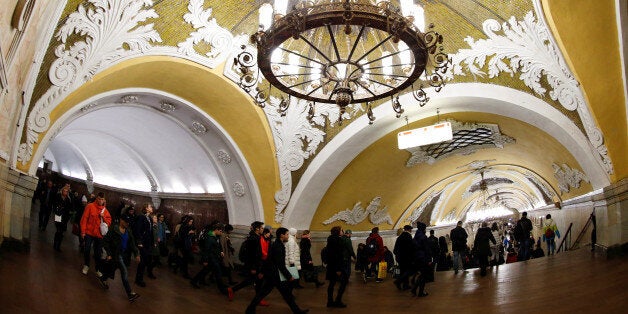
(95, 213)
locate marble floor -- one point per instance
(45, 281)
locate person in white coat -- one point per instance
(495, 247)
(293, 254)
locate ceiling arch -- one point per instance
(454, 98)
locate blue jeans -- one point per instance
(551, 246)
(97, 243)
(124, 274)
(458, 260)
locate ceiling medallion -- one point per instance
(198, 128)
(343, 52)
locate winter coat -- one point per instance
(304, 247)
(143, 233)
(90, 222)
(550, 224)
(405, 249)
(334, 256)
(211, 249)
(276, 262)
(253, 258)
(112, 243)
(496, 236)
(458, 239)
(481, 243)
(379, 255)
(227, 249)
(63, 207)
(293, 253)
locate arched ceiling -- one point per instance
(308, 173)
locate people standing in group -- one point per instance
(293, 254)
(120, 244)
(423, 260)
(458, 238)
(482, 247)
(250, 254)
(550, 232)
(273, 266)
(95, 213)
(47, 197)
(348, 253)
(228, 253)
(375, 253)
(496, 250)
(336, 270)
(522, 235)
(405, 252)
(308, 270)
(62, 208)
(143, 232)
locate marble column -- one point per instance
(16, 192)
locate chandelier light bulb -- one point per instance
(265, 16)
(281, 7)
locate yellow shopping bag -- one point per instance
(382, 271)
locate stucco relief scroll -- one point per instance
(358, 214)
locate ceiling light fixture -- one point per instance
(343, 52)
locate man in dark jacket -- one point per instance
(251, 255)
(404, 253)
(274, 265)
(458, 244)
(62, 208)
(525, 226)
(481, 246)
(336, 270)
(119, 244)
(211, 258)
(143, 233)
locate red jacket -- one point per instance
(90, 222)
(379, 255)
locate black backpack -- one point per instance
(243, 254)
(371, 247)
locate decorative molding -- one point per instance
(154, 187)
(296, 139)
(358, 214)
(238, 189)
(4, 155)
(540, 185)
(167, 107)
(102, 46)
(477, 164)
(154, 197)
(90, 186)
(89, 107)
(422, 154)
(527, 48)
(126, 99)
(224, 157)
(220, 39)
(198, 128)
(568, 177)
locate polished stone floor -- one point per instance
(45, 281)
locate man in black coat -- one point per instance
(525, 243)
(251, 255)
(143, 233)
(405, 250)
(458, 244)
(274, 265)
(336, 270)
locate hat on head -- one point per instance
(348, 231)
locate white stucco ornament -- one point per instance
(358, 214)
(568, 177)
(111, 31)
(207, 31)
(526, 48)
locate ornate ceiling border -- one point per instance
(358, 214)
(527, 48)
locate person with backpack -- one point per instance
(375, 253)
(550, 231)
(458, 238)
(250, 254)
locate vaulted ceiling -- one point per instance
(145, 97)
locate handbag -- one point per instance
(104, 228)
(293, 271)
(383, 270)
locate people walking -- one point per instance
(482, 247)
(119, 244)
(62, 208)
(336, 272)
(94, 215)
(405, 252)
(143, 232)
(307, 264)
(522, 235)
(550, 232)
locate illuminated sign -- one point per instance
(424, 136)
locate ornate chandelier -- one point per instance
(343, 52)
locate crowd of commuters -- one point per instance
(113, 239)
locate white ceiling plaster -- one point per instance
(127, 144)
